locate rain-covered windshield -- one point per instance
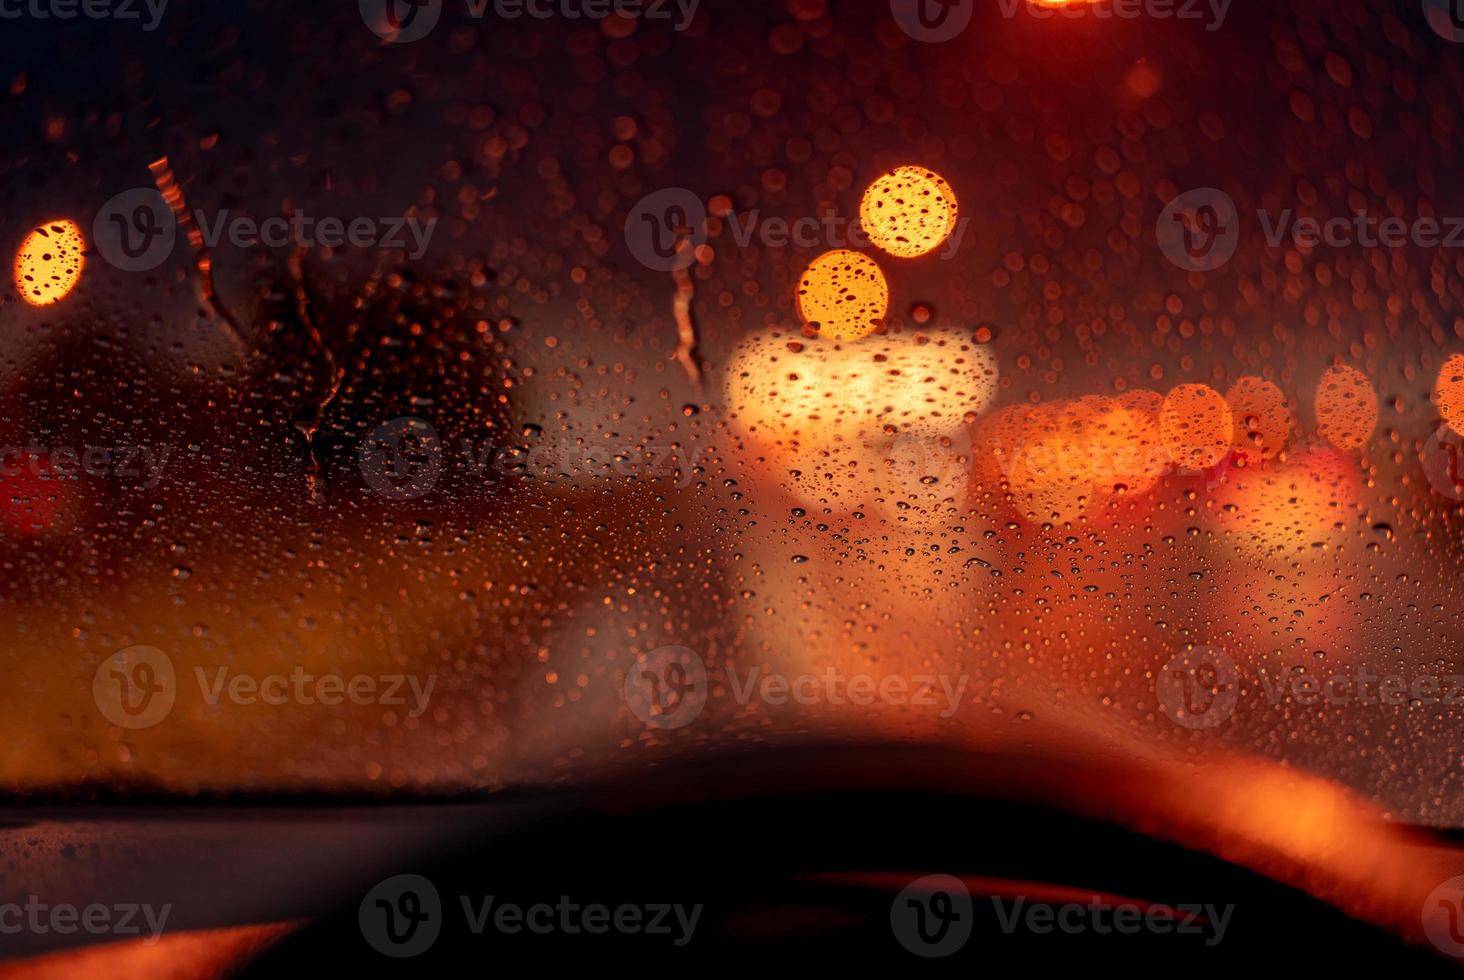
(417, 397)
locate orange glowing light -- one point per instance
(852, 424)
(1037, 451)
(1051, 454)
(48, 263)
(1263, 418)
(908, 211)
(1308, 499)
(196, 953)
(1196, 425)
(997, 438)
(1449, 392)
(1064, 458)
(1346, 407)
(1108, 439)
(843, 295)
(1143, 408)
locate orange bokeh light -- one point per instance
(1263, 418)
(1309, 498)
(843, 295)
(882, 424)
(1448, 392)
(1196, 425)
(48, 263)
(1143, 407)
(1061, 458)
(1346, 407)
(908, 211)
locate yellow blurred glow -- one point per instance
(886, 418)
(48, 263)
(1196, 425)
(1263, 418)
(1346, 407)
(1448, 392)
(908, 211)
(843, 295)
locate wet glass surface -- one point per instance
(587, 448)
